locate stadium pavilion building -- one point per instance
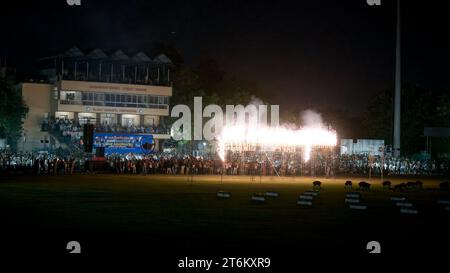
(120, 94)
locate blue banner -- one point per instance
(116, 143)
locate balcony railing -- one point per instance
(114, 104)
(163, 130)
(116, 79)
(67, 127)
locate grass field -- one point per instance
(122, 214)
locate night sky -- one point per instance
(312, 53)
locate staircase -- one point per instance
(65, 143)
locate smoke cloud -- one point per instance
(312, 119)
(256, 101)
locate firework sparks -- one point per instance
(240, 137)
(307, 153)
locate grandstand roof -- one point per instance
(73, 52)
(162, 58)
(118, 55)
(97, 54)
(141, 57)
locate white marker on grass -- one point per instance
(394, 198)
(272, 194)
(306, 197)
(404, 204)
(358, 207)
(409, 211)
(304, 203)
(313, 193)
(223, 194)
(352, 195)
(258, 198)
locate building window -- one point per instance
(115, 100)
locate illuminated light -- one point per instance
(240, 138)
(307, 153)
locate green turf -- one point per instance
(171, 206)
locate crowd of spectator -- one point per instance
(162, 163)
(39, 163)
(68, 128)
(356, 164)
(71, 129)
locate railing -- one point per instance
(107, 79)
(115, 104)
(57, 134)
(137, 130)
(163, 130)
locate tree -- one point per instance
(12, 112)
(377, 120)
(169, 50)
(441, 145)
(420, 108)
(209, 73)
(417, 112)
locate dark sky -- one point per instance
(316, 52)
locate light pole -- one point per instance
(397, 102)
(397, 87)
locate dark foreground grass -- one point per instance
(168, 215)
